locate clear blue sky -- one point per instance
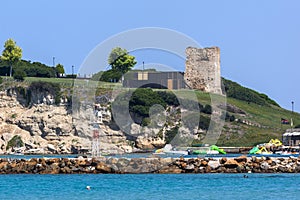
(259, 40)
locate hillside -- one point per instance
(251, 117)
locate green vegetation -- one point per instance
(50, 88)
(120, 60)
(32, 69)
(237, 91)
(110, 76)
(297, 126)
(19, 75)
(59, 69)
(170, 134)
(11, 53)
(264, 117)
(260, 121)
(16, 141)
(267, 116)
(141, 101)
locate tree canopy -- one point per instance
(11, 53)
(59, 69)
(32, 69)
(120, 60)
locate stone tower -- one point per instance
(202, 69)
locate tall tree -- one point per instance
(120, 60)
(11, 53)
(59, 69)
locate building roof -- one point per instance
(296, 133)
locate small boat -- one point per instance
(168, 149)
(212, 152)
(288, 151)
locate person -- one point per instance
(88, 187)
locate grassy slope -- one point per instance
(267, 116)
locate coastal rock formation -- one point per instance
(149, 165)
(48, 128)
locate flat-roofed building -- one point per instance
(291, 137)
(154, 79)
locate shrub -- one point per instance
(169, 97)
(1, 80)
(97, 76)
(229, 117)
(19, 75)
(110, 76)
(237, 91)
(207, 109)
(146, 121)
(16, 141)
(204, 122)
(142, 99)
(46, 87)
(297, 126)
(71, 76)
(170, 134)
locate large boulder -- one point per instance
(214, 164)
(231, 163)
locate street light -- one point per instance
(72, 70)
(53, 59)
(292, 123)
(143, 71)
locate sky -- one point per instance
(259, 40)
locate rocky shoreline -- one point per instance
(112, 165)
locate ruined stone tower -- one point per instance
(202, 69)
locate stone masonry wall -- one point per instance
(203, 69)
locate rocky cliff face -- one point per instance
(48, 128)
(43, 128)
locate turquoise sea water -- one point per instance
(151, 186)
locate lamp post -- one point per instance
(73, 71)
(53, 60)
(292, 123)
(73, 75)
(143, 71)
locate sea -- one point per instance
(150, 186)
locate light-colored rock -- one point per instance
(149, 143)
(214, 164)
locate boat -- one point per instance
(168, 149)
(212, 152)
(288, 151)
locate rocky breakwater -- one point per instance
(150, 165)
